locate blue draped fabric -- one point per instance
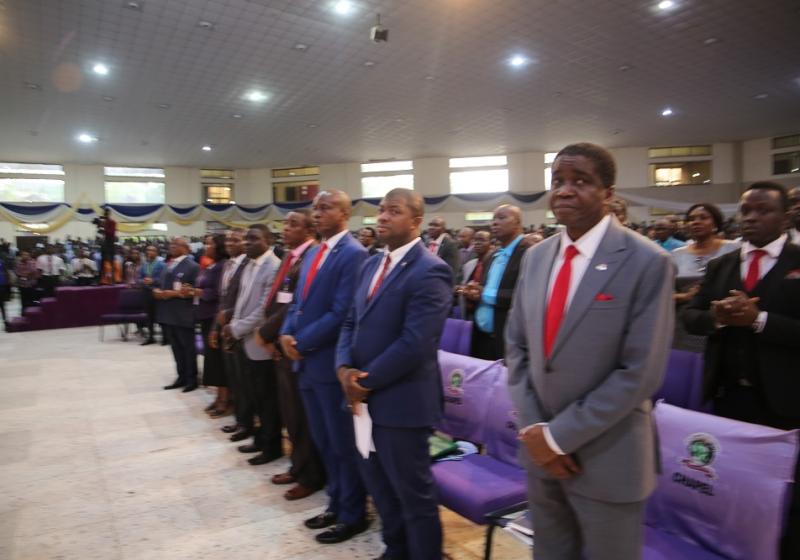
(218, 207)
(32, 210)
(251, 209)
(183, 211)
(527, 198)
(85, 211)
(135, 210)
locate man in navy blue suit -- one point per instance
(322, 299)
(387, 355)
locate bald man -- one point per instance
(176, 312)
(442, 245)
(309, 333)
(493, 292)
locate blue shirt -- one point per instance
(670, 244)
(484, 314)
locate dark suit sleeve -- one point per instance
(270, 329)
(508, 284)
(325, 330)
(449, 254)
(781, 330)
(345, 343)
(696, 316)
(425, 313)
(211, 291)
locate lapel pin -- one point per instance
(602, 266)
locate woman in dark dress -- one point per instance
(206, 293)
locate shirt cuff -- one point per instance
(760, 322)
(551, 443)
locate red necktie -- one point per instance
(558, 301)
(477, 274)
(753, 272)
(433, 248)
(380, 278)
(276, 284)
(314, 267)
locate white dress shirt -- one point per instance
(794, 235)
(397, 255)
(230, 269)
(331, 242)
(174, 262)
(586, 245)
(50, 265)
(766, 263)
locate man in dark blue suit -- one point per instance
(322, 299)
(176, 312)
(387, 355)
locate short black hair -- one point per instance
(218, 239)
(771, 186)
(413, 200)
(715, 212)
(371, 230)
(265, 232)
(308, 214)
(602, 159)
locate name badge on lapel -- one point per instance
(284, 297)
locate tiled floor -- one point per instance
(97, 462)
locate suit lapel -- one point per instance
(399, 268)
(329, 260)
(539, 279)
(605, 264)
(766, 287)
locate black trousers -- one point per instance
(306, 467)
(150, 308)
(484, 346)
(181, 340)
(27, 296)
(262, 383)
(749, 405)
(83, 281)
(48, 285)
(242, 399)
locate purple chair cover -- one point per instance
(467, 383)
(724, 484)
(456, 336)
(500, 434)
(130, 308)
(478, 485)
(683, 381)
(662, 546)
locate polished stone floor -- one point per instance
(97, 462)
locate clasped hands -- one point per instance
(736, 310)
(353, 392)
(471, 291)
(558, 466)
(186, 291)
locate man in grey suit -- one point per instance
(257, 367)
(586, 346)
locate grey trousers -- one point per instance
(571, 527)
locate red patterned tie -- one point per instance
(754, 270)
(558, 301)
(314, 267)
(276, 284)
(380, 278)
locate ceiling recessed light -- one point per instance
(710, 41)
(429, 77)
(369, 63)
(300, 47)
(761, 96)
(236, 116)
(100, 69)
(343, 7)
(31, 85)
(695, 174)
(255, 96)
(206, 148)
(666, 112)
(108, 98)
(205, 24)
(164, 106)
(134, 5)
(86, 138)
(666, 5)
(517, 60)
(312, 125)
(625, 68)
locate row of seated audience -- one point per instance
(289, 341)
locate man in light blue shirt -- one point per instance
(499, 281)
(663, 230)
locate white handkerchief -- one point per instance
(363, 428)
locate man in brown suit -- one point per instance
(306, 470)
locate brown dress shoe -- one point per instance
(298, 492)
(282, 478)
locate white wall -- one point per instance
(734, 164)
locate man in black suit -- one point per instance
(794, 215)
(442, 245)
(369, 239)
(176, 312)
(749, 307)
(496, 288)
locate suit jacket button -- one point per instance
(300, 312)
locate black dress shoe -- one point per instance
(249, 448)
(230, 428)
(176, 385)
(148, 342)
(264, 458)
(189, 388)
(164, 343)
(341, 532)
(321, 521)
(239, 436)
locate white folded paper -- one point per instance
(363, 427)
